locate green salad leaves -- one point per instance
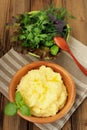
(34, 30)
(12, 108)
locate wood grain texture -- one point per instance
(39, 4)
(1, 111)
(79, 118)
(9, 8)
(67, 126)
(79, 24)
(57, 3)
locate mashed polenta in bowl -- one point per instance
(47, 89)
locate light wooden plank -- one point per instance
(1, 111)
(78, 25)
(39, 4)
(79, 118)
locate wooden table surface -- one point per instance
(9, 8)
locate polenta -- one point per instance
(43, 91)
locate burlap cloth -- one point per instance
(12, 61)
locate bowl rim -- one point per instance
(66, 107)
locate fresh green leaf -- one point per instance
(30, 36)
(24, 18)
(63, 13)
(18, 99)
(36, 29)
(21, 37)
(49, 43)
(29, 28)
(54, 50)
(25, 44)
(37, 39)
(10, 109)
(24, 109)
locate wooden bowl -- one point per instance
(68, 81)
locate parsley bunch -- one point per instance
(35, 30)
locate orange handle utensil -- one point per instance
(64, 46)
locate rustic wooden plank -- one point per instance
(67, 126)
(1, 49)
(27, 5)
(4, 4)
(35, 128)
(39, 4)
(79, 118)
(30, 126)
(57, 3)
(23, 125)
(1, 111)
(79, 25)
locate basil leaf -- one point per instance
(49, 43)
(10, 109)
(24, 109)
(18, 99)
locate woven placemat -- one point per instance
(13, 61)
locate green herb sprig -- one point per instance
(12, 108)
(35, 30)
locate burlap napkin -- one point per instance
(12, 61)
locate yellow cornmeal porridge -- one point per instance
(43, 91)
